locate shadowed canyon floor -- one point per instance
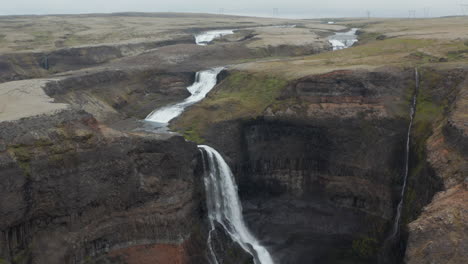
(315, 139)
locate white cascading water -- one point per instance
(223, 202)
(343, 40)
(204, 38)
(204, 82)
(213, 259)
(225, 208)
(396, 224)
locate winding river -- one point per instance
(223, 203)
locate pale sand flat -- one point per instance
(19, 99)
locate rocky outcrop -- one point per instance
(73, 190)
(439, 234)
(20, 66)
(120, 94)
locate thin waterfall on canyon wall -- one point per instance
(396, 223)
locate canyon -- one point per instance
(315, 139)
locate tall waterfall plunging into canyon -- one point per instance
(224, 206)
(204, 82)
(396, 224)
(223, 202)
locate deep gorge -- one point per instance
(310, 180)
(318, 158)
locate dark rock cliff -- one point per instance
(320, 170)
(73, 189)
(438, 232)
(117, 94)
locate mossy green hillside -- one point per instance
(240, 95)
(405, 51)
(429, 110)
(393, 52)
(430, 107)
(66, 144)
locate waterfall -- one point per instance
(343, 40)
(225, 208)
(211, 220)
(206, 37)
(396, 223)
(204, 82)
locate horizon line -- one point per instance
(224, 14)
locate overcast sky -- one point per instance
(286, 8)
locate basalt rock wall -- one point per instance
(320, 172)
(75, 191)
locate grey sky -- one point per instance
(287, 8)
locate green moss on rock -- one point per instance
(433, 103)
(241, 95)
(22, 153)
(365, 247)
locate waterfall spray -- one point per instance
(225, 208)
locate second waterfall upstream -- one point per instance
(204, 82)
(224, 206)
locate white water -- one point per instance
(396, 223)
(213, 259)
(343, 40)
(225, 207)
(204, 82)
(206, 37)
(277, 26)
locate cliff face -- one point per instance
(73, 189)
(17, 66)
(439, 233)
(118, 94)
(318, 158)
(319, 169)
